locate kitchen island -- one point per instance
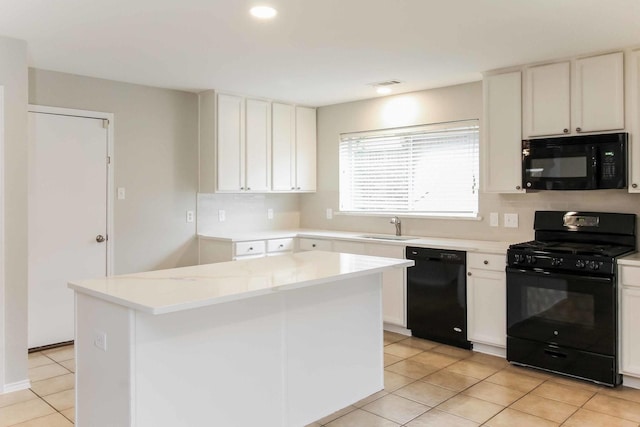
(277, 341)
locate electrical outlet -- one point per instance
(222, 215)
(100, 340)
(269, 213)
(329, 213)
(511, 220)
(121, 193)
(494, 219)
(189, 216)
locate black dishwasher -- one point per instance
(437, 295)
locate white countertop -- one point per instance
(420, 241)
(177, 289)
(633, 259)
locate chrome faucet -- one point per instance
(396, 221)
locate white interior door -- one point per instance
(68, 180)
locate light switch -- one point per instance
(100, 340)
(494, 219)
(511, 220)
(329, 213)
(121, 193)
(222, 216)
(269, 213)
(189, 216)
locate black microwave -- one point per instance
(589, 162)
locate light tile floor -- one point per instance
(426, 384)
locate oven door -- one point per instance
(575, 311)
(552, 165)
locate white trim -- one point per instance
(110, 167)
(632, 382)
(20, 385)
(461, 217)
(397, 329)
(490, 349)
(3, 357)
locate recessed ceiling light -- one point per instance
(383, 90)
(263, 12)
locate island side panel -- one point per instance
(213, 366)
(103, 380)
(334, 347)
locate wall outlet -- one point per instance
(269, 213)
(100, 340)
(329, 213)
(511, 220)
(121, 193)
(494, 219)
(190, 216)
(222, 215)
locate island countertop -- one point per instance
(177, 289)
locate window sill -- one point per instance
(461, 217)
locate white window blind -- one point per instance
(420, 169)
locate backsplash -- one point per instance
(247, 212)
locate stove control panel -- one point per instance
(564, 262)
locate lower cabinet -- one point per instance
(486, 299)
(220, 251)
(629, 320)
(394, 282)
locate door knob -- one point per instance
(100, 238)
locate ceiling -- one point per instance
(315, 52)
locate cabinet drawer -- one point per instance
(315, 245)
(486, 261)
(280, 245)
(630, 276)
(249, 248)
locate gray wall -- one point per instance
(13, 292)
(156, 160)
(433, 106)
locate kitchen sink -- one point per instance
(387, 237)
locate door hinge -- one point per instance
(105, 123)
(108, 160)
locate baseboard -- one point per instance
(397, 329)
(20, 385)
(632, 382)
(490, 349)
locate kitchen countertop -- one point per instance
(632, 259)
(177, 289)
(420, 241)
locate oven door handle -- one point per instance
(586, 276)
(556, 354)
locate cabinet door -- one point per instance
(629, 330)
(634, 122)
(258, 145)
(599, 93)
(283, 134)
(305, 244)
(394, 285)
(348, 247)
(501, 142)
(305, 149)
(487, 307)
(547, 107)
(230, 147)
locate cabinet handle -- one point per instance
(281, 246)
(565, 130)
(313, 245)
(634, 185)
(518, 187)
(486, 262)
(298, 188)
(242, 188)
(248, 188)
(250, 249)
(293, 188)
(469, 274)
(578, 129)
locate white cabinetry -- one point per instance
(502, 130)
(306, 244)
(630, 320)
(220, 251)
(305, 149)
(486, 299)
(633, 64)
(572, 97)
(394, 281)
(243, 144)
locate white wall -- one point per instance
(433, 106)
(13, 280)
(156, 160)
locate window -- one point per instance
(431, 169)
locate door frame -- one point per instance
(110, 165)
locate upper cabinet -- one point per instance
(573, 97)
(255, 145)
(294, 148)
(633, 64)
(502, 130)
